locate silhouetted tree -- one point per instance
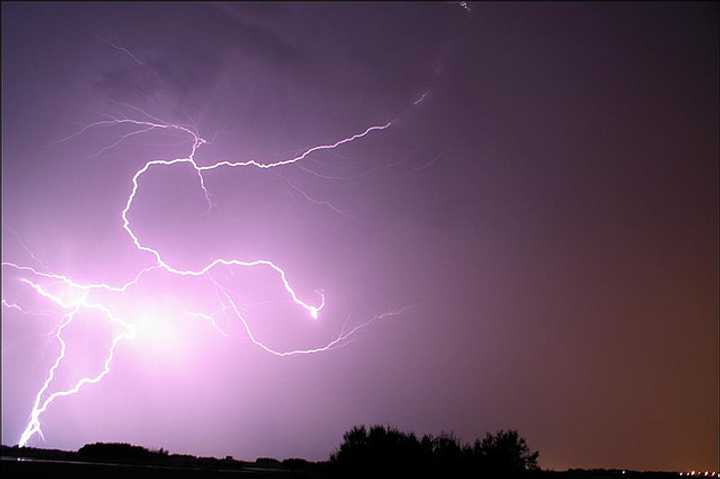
(121, 452)
(379, 450)
(450, 456)
(505, 452)
(385, 451)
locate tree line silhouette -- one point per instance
(376, 451)
(383, 450)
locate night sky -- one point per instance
(542, 213)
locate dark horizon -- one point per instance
(511, 223)
(123, 453)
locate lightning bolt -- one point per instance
(125, 51)
(72, 307)
(209, 318)
(197, 142)
(421, 98)
(12, 306)
(309, 198)
(24, 246)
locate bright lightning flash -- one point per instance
(77, 297)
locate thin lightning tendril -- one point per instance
(12, 306)
(421, 98)
(74, 306)
(126, 51)
(309, 198)
(24, 246)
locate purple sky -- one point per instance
(549, 210)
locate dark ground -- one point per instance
(25, 467)
(41, 468)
